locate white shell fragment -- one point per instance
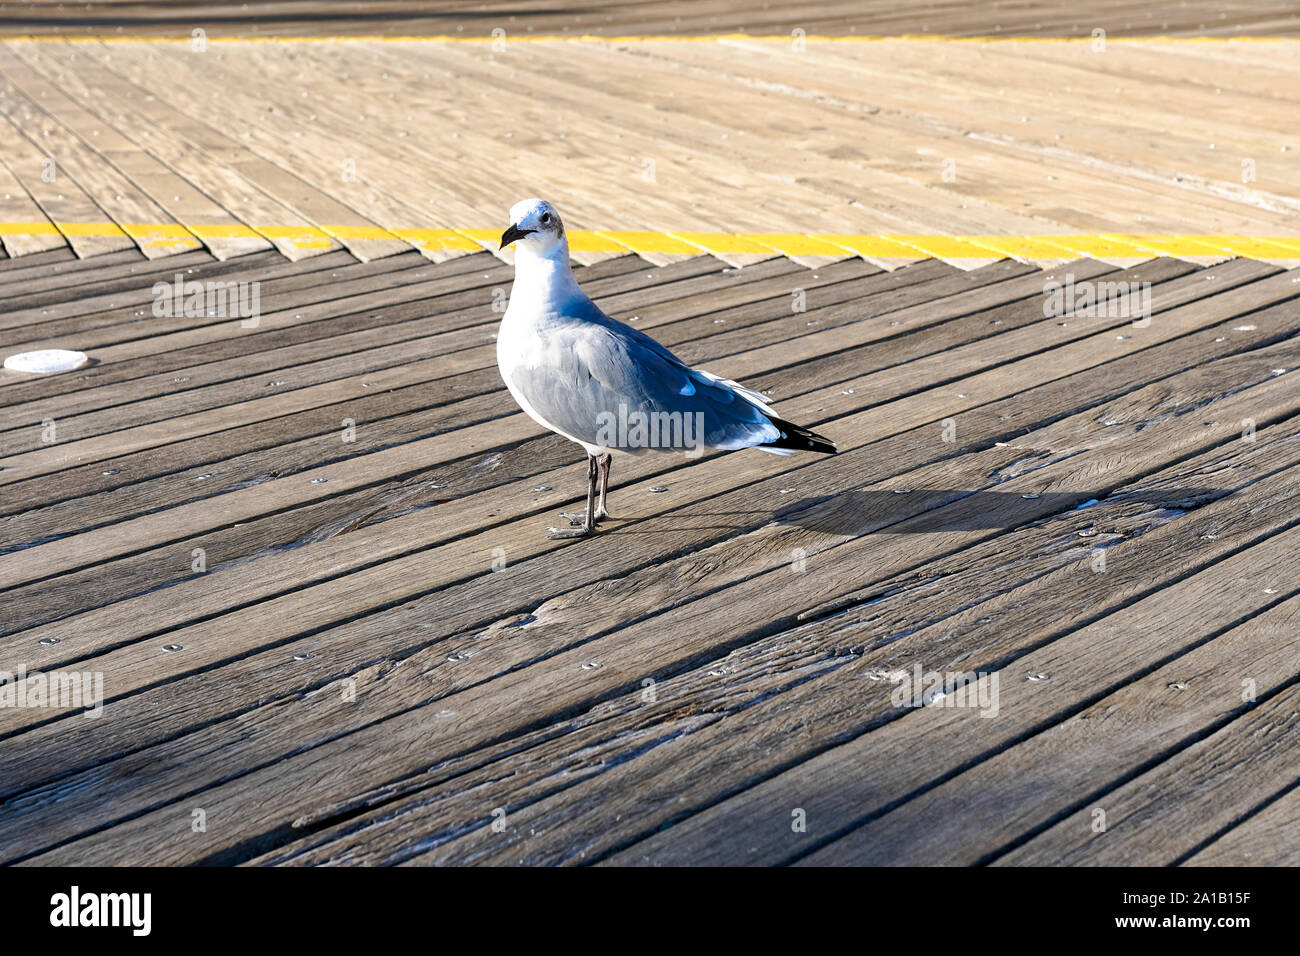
(46, 361)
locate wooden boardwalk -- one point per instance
(670, 17)
(308, 560)
(899, 150)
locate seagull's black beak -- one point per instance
(513, 233)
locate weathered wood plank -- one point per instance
(845, 402)
(1170, 809)
(42, 193)
(69, 129)
(687, 105)
(289, 160)
(461, 310)
(122, 577)
(363, 468)
(1265, 839)
(296, 297)
(661, 466)
(728, 723)
(106, 319)
(65, 272)
(456, 347)
(465, 307)
(1054, 18)
(619, 659)
(126, 277)
(391, 344)
(1084, 739)
(119, 363)
(60, 255)
(98, 409)
(830, 690)
(559, 672)
(281, 431)
(192, 148)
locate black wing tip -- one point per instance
(797, 438)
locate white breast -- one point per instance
(516, 347)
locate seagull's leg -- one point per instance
(584, 524)
(578, 518)
(583, 518)
(604, 463)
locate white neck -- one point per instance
(545, 270)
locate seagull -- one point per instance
(607, 386)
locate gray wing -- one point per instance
(589, 371)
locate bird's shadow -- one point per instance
(903, 511)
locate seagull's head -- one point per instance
(536, 226)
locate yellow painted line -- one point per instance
(796, 244)
(723, 243)
(160, 234)
(1026, 247)
(358, 232)
(1106, 245)
(225, 231)
(946, 247)
(28, 229)
(1103, 247)
(483, 237)
(509, 37)
(81, 230)
(651, 242)
(1166, 245)
(292, 232)
(437, 239)
(870, 247)
(304, 237)
(1261, 247)
(581, 240)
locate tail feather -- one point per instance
(797, 438)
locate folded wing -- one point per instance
(589, 369)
